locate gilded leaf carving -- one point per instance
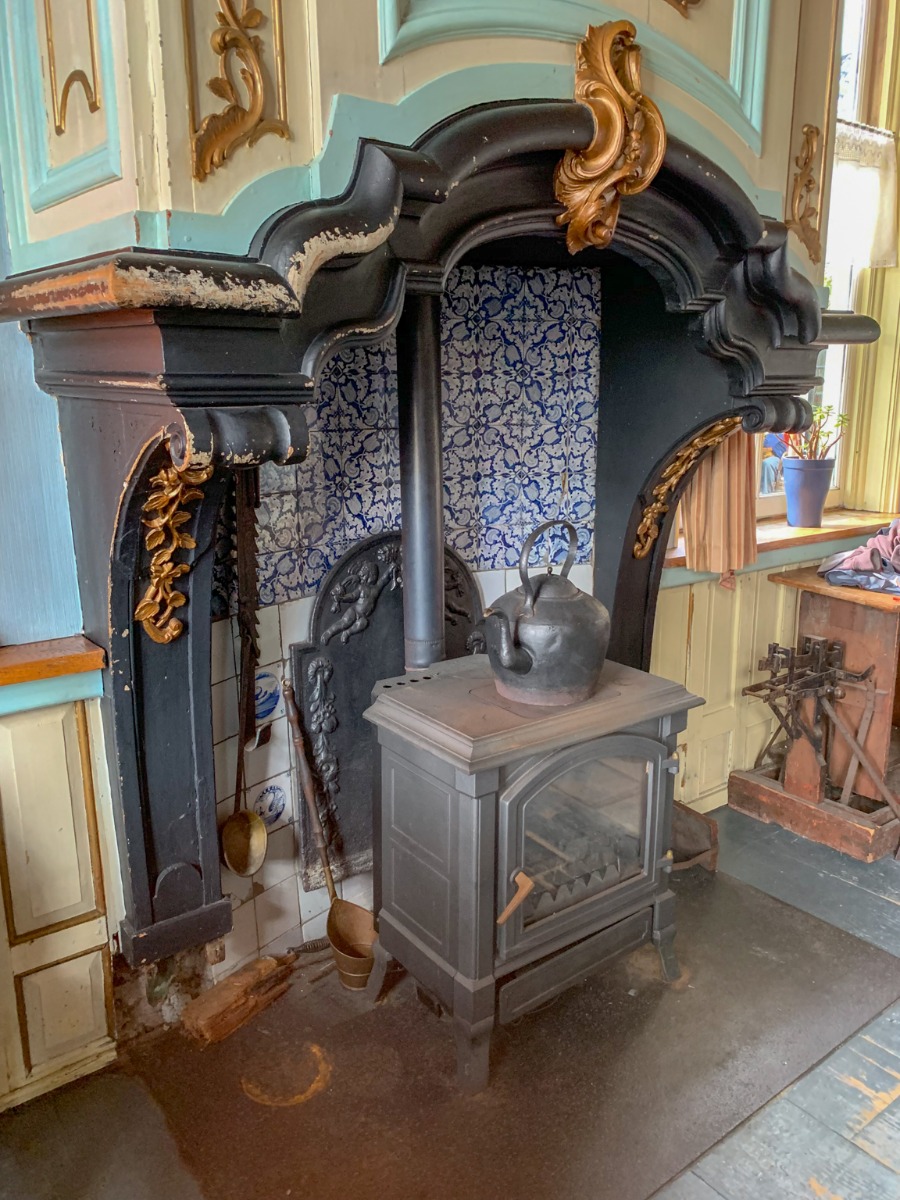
(804, 218)
(655, 512)
(165, 512)
(241, 84)
(629, 140)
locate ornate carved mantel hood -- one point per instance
(163, 360)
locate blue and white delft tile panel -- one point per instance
(521, 364)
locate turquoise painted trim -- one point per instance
(769, 560)
(41, 693)
(406, 25)
(350, 119)
(48, 185)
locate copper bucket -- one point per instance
(351, 931)
(350, 928)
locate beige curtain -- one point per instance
(862, 223)
(718, 509)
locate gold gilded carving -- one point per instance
(238, 50)
(165, 512)
(629, 137)
(60, 100)
(655, 511)
(804, 219)
(684, 6)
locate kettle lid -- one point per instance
(555, 586)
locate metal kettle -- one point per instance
(547, 640)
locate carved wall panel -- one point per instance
(238, 48)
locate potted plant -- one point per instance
(808, 465)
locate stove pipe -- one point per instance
(421, 478)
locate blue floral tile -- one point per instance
(277, 523)
(520, 367)
(279, 577)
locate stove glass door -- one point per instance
(584, 827)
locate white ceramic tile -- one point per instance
(269, 634)
(242, 942)
(224, 710)
(277, 911)
(513, 578)
(225, 756)
(271, 759)
(238, 888)
(266, 804)
(280, 945)
(222, 648)
(582, 575)
(492, 585)
(281, 859)
(312, 904)
(358, 889)
(315, 927)
(295, 619)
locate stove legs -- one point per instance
(664, 936)
(473, 1049)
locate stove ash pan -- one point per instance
(521, 848)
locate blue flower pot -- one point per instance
(806, 485)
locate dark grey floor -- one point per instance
(103, 1138)
(608, 1094)
(863, 898)
(835, 1133)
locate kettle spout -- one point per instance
(512, 657)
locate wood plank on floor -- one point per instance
(851, 1088)
(881, 1138)
(783, 1153)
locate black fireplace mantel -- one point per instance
(163, 361)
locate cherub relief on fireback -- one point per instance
(361, 589)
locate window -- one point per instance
(860, 233)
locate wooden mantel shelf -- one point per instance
(807, 579)
(48, 660)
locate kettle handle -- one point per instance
(527, 585)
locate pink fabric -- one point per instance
(881, 551)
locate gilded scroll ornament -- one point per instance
(687, 456)
(222, 132)
(629, 137)
(165, 512)
(60, 100)
(804, 219)
(684, 6)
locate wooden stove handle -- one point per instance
(524, 888)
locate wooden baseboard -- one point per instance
(835, 825)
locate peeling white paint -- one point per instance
(331, 243)
(152, 286)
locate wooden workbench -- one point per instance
(868, 626)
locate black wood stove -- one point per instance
(521, 847)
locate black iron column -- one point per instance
(421, 478)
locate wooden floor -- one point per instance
(835, 1134)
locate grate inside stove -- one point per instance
(584, 833)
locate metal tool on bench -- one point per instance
(815, 673)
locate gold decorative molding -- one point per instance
(684, 6)
(60, 100)
(804, 218)
(165, 512)
(629, 137)
(222, 132)
(655, 511)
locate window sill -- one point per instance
(778, 535)
(49, 660)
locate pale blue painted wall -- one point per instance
(38, 584)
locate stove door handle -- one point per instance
(524, 888)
